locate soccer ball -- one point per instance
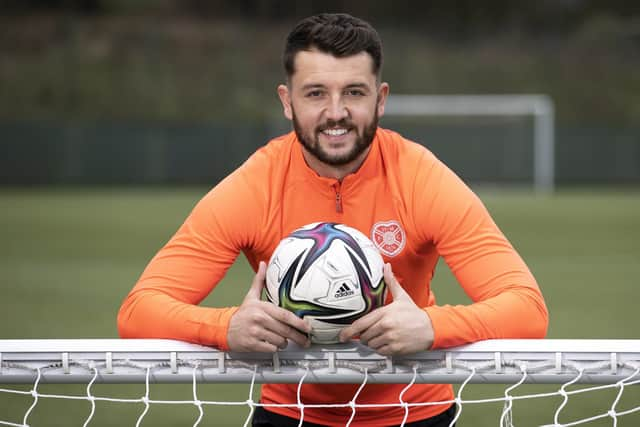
(328, 273)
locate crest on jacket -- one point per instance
(389, 237)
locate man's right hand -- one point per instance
(261, 326)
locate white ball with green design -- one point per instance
(329, 274)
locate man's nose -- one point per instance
(336, 110)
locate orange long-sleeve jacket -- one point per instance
(412, 206)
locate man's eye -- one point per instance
(355, 92)
(314, 93)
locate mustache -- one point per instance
(343, 123)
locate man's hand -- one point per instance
(262, 326)
(398, 328)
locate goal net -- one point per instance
(490, 139)
(573, 367)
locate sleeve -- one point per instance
(164, 302)
(507, 302)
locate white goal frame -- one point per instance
(613, 363)
(540, 107)
(492, 361)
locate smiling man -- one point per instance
(334, 108)
(337, 165)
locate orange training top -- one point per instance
(405, 199)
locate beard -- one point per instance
(311, 142)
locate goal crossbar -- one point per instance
(167, 361)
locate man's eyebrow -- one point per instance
(313, 86)
(309, 86)
(358, 86)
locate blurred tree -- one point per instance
(80, 6)
(457, 18)
(172, 59)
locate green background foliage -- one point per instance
(220, 61)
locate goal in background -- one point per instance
(495, 139)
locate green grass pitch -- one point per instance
(68, 258)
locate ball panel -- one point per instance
(324, 332)
(298, 304)
(282, 260)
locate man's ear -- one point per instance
(383, 92)
(285, 98)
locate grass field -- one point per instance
(68, 257)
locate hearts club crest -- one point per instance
(388, 237)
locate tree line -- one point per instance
(447, 17)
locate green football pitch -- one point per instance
(68, 258)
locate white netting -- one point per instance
(607, 364)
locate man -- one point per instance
(339, 166)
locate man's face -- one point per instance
(334, 104)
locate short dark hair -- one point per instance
(338, 34)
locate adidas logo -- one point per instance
(344, 291)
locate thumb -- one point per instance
(255, 291)
(397, 291)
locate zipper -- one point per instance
(336, 187)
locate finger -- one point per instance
(288, 318)
(263, 347)
(360, 325)
(377, 342)
(396, 290)
(291, 328)
(255, 291)
(274, 338)
(371, 333)
(384, 350)
(300, 339)
(287, 332)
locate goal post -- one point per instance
(539, 107)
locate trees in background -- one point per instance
(459, 18)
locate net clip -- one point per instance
(448, 360)
(332, 362)
(173, 356)
(389, 364)
(65, 362)
(614, 363)
(558, 362)
(108, 359)
(221, 365)
(498, 359)
(276, 363)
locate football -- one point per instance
(328, 273)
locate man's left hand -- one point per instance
(397, 328)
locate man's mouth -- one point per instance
(335, 131)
